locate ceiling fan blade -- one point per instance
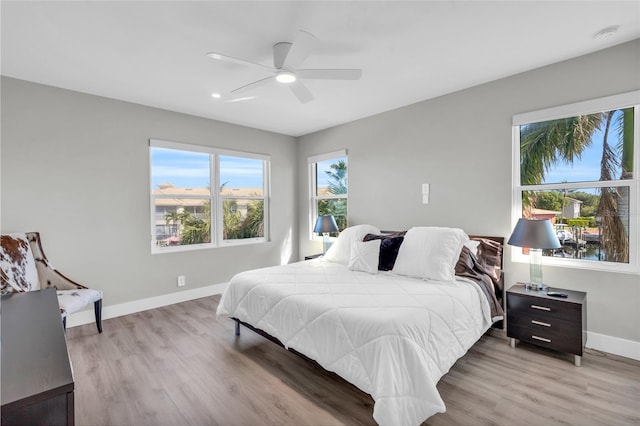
(245, 98)
(233, 60)
(253, 85)
(300, 49)
(302, 93)
(331, 74)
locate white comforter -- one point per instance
(393, 337)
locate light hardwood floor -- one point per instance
(179, 365)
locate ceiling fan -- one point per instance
(287, 58)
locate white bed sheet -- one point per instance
(393, 337)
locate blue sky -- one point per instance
(241, 172)
(322, 179)
(585, 169)
(588, 167)
(185, 169)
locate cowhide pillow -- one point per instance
(17, 266)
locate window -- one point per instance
(329, 187)
(183, 206)
(577, 166)
(242, 193)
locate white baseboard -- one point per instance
(600, 342)
(112, 311)
(614, 345)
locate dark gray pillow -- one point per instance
(389, 247)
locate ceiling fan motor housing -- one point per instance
(280, 51)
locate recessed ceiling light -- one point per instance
(606, 33)
(216, 95)
(285, 77)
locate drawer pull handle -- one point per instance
(541, 339)
(542, 308)
(546, 324)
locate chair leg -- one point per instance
(97, 307)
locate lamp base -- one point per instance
(535, 271)
(536, 286)
(326, 243)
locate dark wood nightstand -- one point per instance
(313, 256)
(552, 322)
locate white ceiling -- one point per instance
(154, 52)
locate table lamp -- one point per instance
(325, 224)
(536, 235)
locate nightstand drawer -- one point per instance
(564, 337)
(528, 306)
(536, 320)
(551, 332)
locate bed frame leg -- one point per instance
(237, 327)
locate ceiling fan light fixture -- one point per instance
(285, 77)
(606, 33)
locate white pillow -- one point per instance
(340, 251)
(365, 256)
(430, 253)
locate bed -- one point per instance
(388, 312)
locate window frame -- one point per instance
(620, 101)
(265, 192)
(215, 197)
(314, 197)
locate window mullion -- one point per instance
(216, 209)
(313, 205)
(577, 185)
(331, 196)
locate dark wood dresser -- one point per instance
(551, 322)
(37, 378)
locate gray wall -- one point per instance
(75, 167)
(461, 145)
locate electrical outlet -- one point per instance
(182, 281)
